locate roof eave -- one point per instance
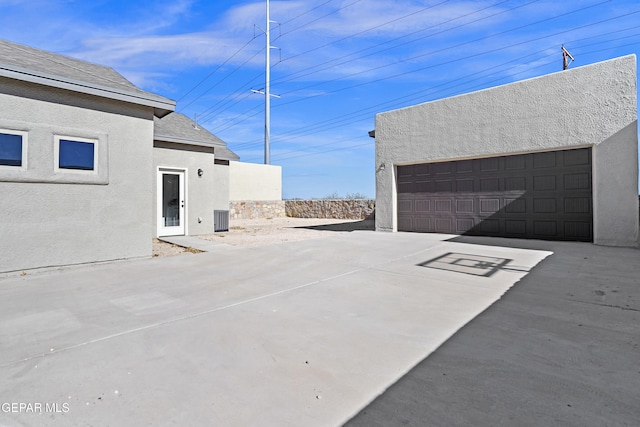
(161, 105)
(185, 141)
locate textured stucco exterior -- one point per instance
(221, 190)
(199, 190)
(591, 106)
(59, 218)
(250, 181)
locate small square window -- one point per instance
(76, 155)
(11, 150)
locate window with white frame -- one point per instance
(76, 154)
(13, 149)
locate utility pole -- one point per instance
(565, 58)
(267, 88)
(267, 91)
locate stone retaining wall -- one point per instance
(250, 209)
(338, 209)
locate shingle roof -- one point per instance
(180, 129)
(29, 64)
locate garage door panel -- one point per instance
(489, 185)
(444, 186)
(464, 166)
(464, 206)
(538, 195)
(488, 227)
(463, 225)
(423, 224)
(444, 168)
(545, 205)
(405, 223)
(515, 206)
(444, 225)
(423, 205)
(577, 205)
(516, 183)
(544, 160)
(515, 227)
(578, 230)
(545, 228)
(490, 164)
(513, 163)
(545, 183)
(444, 206)
(464, 185)
(577, 181)
(489, 206)
(577, 157)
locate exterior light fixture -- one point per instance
(200, 172)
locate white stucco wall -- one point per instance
(199, 189)
(594, 105)
(53, 219)
(250, 181)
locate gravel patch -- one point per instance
(162, 249)
(263, 232)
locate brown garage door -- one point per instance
(534, 196)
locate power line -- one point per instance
(318, 19)
(406, 98)
(484, 84)
(566, 31)
(305, 13)
(290, 77)
(405, 16)
(373, 69)
(447, 48)
(443, 63)
(221, 80)
(215, 70)
(363, 32)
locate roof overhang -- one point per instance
(185, 141)
(161, 105)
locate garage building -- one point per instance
(554, 158)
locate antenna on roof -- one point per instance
(195, 122)
(565, 58)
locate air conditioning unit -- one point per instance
(220, 221)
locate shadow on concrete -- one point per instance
(475, 265)
(506, 242)
(544, 354)
(366, 224)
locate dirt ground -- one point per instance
(263, 232)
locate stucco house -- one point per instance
(553, 157)
(192, 184)
(90, 164)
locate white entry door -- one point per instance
(171, 216)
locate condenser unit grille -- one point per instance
(220, 221)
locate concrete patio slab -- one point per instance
(561, 348)
(303, 333)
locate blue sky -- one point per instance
(338, 63)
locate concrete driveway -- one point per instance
(298, 334)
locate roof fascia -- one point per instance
(161, 105)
